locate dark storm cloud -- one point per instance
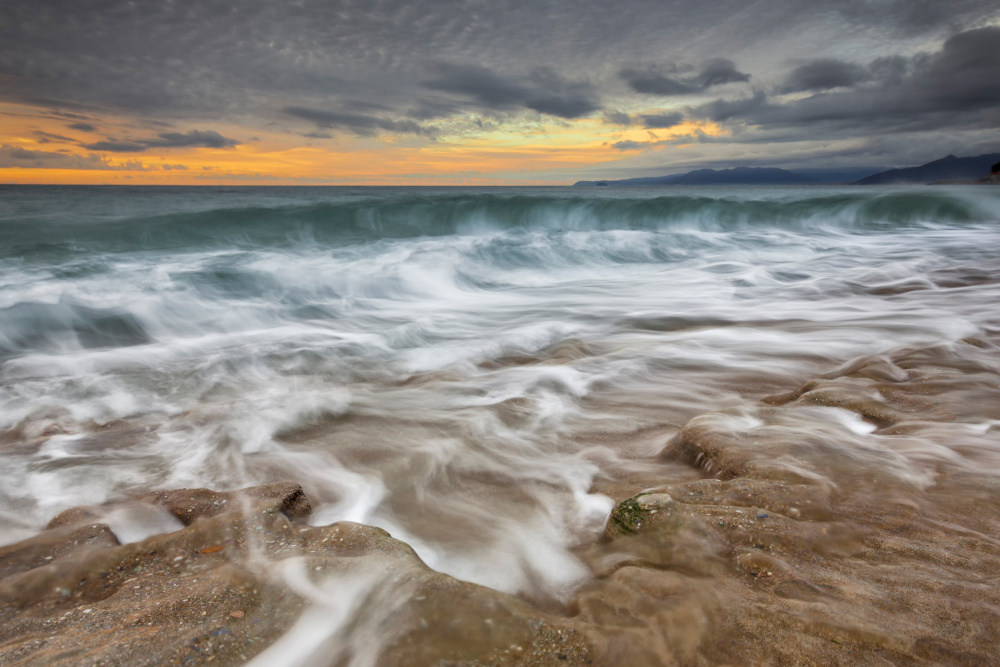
(82, 127)
(543, 90)
(956, 88)
(427, 109)
(913, 17)
(653, 80)
(359, 124)
(193, 61)
(661, 121)
(890, 70)
(397, 66)
(723, 110)
(192, 139)
(825, 74)
(720, 71)
(965, 71)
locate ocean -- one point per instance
(482, 372)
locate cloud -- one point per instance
(909, 17)
(722, 110)
(431, 109)
(196, 62)
(68, 115)
(192, 139)
(82, 127)
(543, 90)
(615, 117)
(957, 87)
(719, 71)
(48, 137)
(824, 74)
(965, 71)
(140, 62)
(16, 157)
(360, 124)
(661, 121)
(653, 81)
(116, 146)
(629, 145)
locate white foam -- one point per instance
(395, 377)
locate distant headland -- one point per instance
(950, 169)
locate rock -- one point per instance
(994, 176)
(75, 516)
(814, 538)
(190, 504)
(855, 395)
(760, 564)
(706, 443)
(218, 590)
(52, 547)
(627, 517)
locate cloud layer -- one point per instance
(192, 139)
(145, 76)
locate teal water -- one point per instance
(401, 350)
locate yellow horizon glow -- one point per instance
(526, 153)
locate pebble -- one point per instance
(236, 614)
(763, 515)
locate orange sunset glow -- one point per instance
(538, 151)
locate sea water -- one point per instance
(472, 369)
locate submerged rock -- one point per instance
(238, 576)
(190, 504)
(833, 524)
(817, 535)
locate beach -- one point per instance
(499, 426)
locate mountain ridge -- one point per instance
(942, 170)
(733, 176)
(948, 168)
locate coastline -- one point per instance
(777, 552)
(696, 427)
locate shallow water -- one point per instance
(481, 372)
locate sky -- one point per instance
(487, 92)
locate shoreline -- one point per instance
(778, 553)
